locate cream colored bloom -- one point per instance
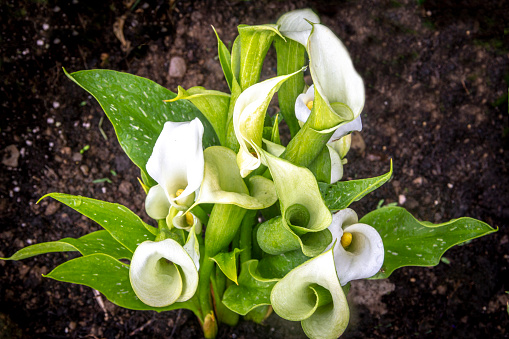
(358, 248)
(177, 165)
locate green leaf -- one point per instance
(251, 292)
(136, 110)
(95, 242)
(409, 242)
(227, 262)
(277, 266)
(107, 275)
(340, 195)
(125, 226)
(213, 104)
(225, 60)
(321, 166)
(290, 57)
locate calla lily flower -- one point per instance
(304, 215)
(311, 293)
(186, 221)
(303, 106)
(358, 248)
(177, 165)
(164, 272)
(339, 143)
(248, 119)
(338, 87)
(222, 183)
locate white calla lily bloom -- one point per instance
(177, 165)
(358, 248)
(164, 272)
(303, 106)
(333, 73)
(248, 119)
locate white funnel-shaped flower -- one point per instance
(311, 293)
(163, 272)
(358, 248)
(338, 85)
(303, 106)
(177, 165)
(248, 119)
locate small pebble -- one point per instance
(177, 67)
(56, 104)
(11, 156)
(45, 27)
(401, 199)
(77, 157)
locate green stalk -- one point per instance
(246, 233)
(313, 136)
(291, 56)
(223, 224)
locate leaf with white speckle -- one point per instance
(409, 242)
(95, 242)
(341, 194)
(124, 226)
(110, 277)
(136, 110)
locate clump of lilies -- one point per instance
(245, 224)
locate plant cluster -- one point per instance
(246, 225)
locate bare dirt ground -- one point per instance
(436, 75)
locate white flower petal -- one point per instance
(157, 205)
(364, 256)
(273, 148)
(340, 218)
(192, 247)
(293, 24)
(354, 125)
(333, 73)
(302, 111)
(154, 275)
(180, 221)
(177, 159)
(336, 165)
(248, 119)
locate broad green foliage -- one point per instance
(409, 242)
(95, 242)
(214, 164)
(109, 276)
(251, 292)
(277, 266)
(136, 109)
(340, 195)
(125, 226)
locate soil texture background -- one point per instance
(436, 76)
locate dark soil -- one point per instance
(436, 75)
